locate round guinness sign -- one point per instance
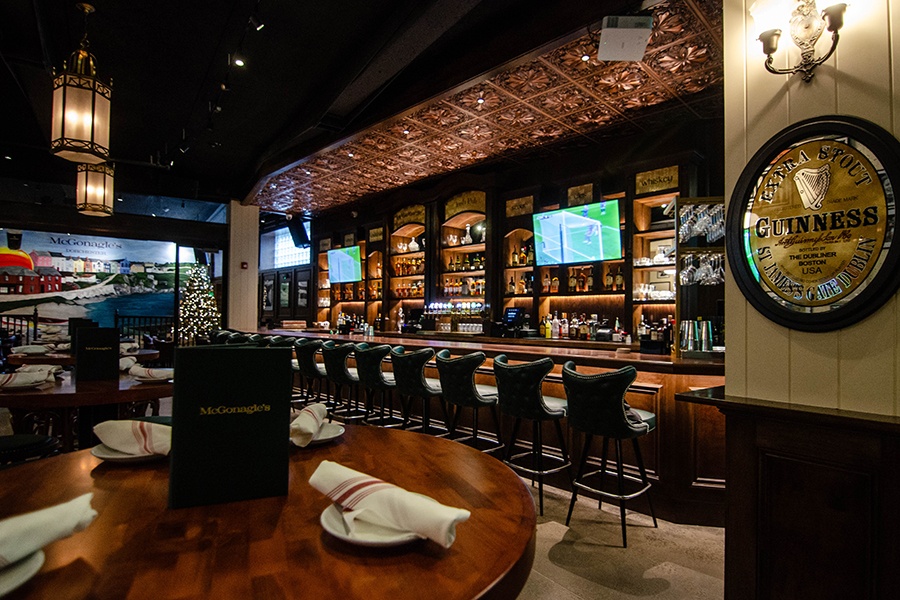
(811, 224)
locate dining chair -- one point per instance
(521, 397)
(340, 375)
(372, 377)
(20, 447)
(409, 373)
(460, 391)
(597, 407)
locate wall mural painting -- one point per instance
(86, 276)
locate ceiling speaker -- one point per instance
(624, 38)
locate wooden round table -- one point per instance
(68, 360)
(275, 547)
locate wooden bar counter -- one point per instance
(685, 456)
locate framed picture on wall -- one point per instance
(285, 285)
(301, 292)
(267, 293)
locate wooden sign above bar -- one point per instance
(376, 234)
(466, 202)
(580, 194)
(520, 206)
(656, 180)
(410, 214)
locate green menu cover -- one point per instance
(97, 354)
(231, 410)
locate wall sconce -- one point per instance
(806, 26)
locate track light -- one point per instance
(256, 23)
(236, 60)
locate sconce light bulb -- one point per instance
(769, 41)
(834, 15)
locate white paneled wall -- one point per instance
(855, 368)
(243, 225)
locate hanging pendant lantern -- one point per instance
(80, 127)
(94, 190)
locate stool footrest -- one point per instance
(510, 462)
(613, 474)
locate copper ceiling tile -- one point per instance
(644, 97)
(442, 164)
(684, 57)
(516, 117)
(413, 154)
(376, 142)
(491, 98)
(404, 130)
(474, 154)
(563, 100)
(547, 132)
(441, 116)
(570, 58)
(528, 80)
(444, 144)
(590, 119)
(615, 80)
(697, 82)
(476, 131)
(671, 22)
(711, 12)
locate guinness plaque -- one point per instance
(811, 224)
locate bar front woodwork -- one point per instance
(685, 456)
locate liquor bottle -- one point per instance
(511, 288)
(514, 258)
(450, 266)
(573, 281)
(542, 328)
(529, 256)
(476, 262)
(420, 267)
(581, 282)
(564, 327)
(573, 328)
(609, 280)
(642, 328)
(464, 287)
(545, 283)
(554, 285)
(529, 283)
(520, 287)
(548, 328)
(465, 263)
(523, 257)
(554, 327)
(589, 282)
(458, 266)
(620, 280)
(583, 328)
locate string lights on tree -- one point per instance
(199, 312)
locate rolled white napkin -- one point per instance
(307, 424)
(25, 534)
(24, 379)
(64, 347)
(140, 371)
(372, 500)
(53, 369)
(31, 349)
(128, 348)
(126, 362)
(139, 438)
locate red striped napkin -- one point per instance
(372, 500)
(139, 438)
(306, 426)
(139, 371)
(14, 380)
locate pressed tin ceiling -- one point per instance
(553, 99)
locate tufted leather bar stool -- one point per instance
(311, 371)
(376, 381)
(409, 373)
(340, 375)
(520, 397)
(460, 391)
(597, 407)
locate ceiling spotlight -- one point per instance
(480, 100)
(224, 86)
(350, 154)
(152, 214)
(585, 57)
(256, 23)
(406, 132)
(120, 199)
(7, 157)
(236, 60)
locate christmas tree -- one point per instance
(199, 313)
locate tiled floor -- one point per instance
(587, 561)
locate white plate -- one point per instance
(327, 432)
(20, 571)
(364, 534)
(104, 452)
(143, 379)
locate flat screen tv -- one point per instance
(578, 234)
(344, 265)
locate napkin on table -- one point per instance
(126, 362)
(25, 534)
(26, 378)
(135, 437)
(372, 500)
(128, 347)
(52, 369)
(140, 371)
(308, 423)
(30, 349)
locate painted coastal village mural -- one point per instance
(86, 276)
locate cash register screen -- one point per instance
(513, 316)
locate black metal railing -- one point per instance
(138, 326)
(24, 327)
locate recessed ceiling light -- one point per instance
(406, 132)
(350, 154)
(480, 100)
(165, 210)
(119, 199)
(7, 157)
(152, 214)
(585, 57)
(273, 186)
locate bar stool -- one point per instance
(19, 447)
(376, 381)
(520, 396)
(338, 373)
(460, 391)
(597, 407)
(311, 371)
(409, 373)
